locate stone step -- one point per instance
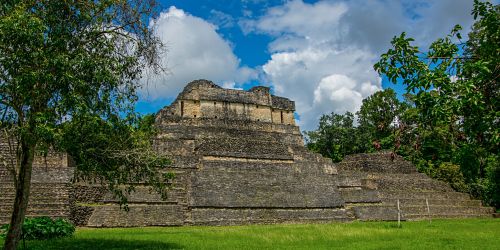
(4, 219)
(376, 176)
(41, 212)
(41, 193)
(302, 154)
(4, 173)
(36, 196)
(39, 185)
(387, 213)
(416, 176)
(412, 184)
(353, 180)
(311, 157)
(376, 213)
(423, 195)
(360, 195)
(37, 189)
(377, 168)
(40, 200)
(55, 205)
(445, 216)
(421, 202)
(446, 210)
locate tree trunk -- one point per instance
(22, 195)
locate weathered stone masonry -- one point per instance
(50, 185)
(239, 158)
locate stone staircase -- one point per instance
(420, 197)
(49, 193)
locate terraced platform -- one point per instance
(50, 189)
(420, 197)
(239, 158)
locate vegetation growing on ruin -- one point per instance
(448, 124)
(439, 234)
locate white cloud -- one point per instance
(323, 53)
(195, 50)
(296, 17)
(322, 80)
(340, 90)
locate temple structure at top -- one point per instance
(204, 99)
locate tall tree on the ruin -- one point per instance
(456, 88)
(76, 61)
(335, 136)
(379, 115)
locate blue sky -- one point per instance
(318, 53)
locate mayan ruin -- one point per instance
(239, 158)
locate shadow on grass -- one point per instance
(95, 244)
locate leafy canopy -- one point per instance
(454, 81)
(69, 72)
(456, 96)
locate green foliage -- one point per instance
(117, 152)
(68, 78)
(335, 136)
(43, 228)
(448, 125)
(69, 73)
(378, 113)
(423, 166)
(488, 188)
(493, 196)
(450, 173)
(454, 89)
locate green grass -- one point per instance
(440, 234)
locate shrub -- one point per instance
(494, 188)
(450, 173)
(424, 166)
(43, 228)
(387, 142)
(479, 190)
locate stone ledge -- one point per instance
(227, 216)
(138, 215)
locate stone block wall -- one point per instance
(395, 180)
(262, 184)
(50, 186)
(234, 164)
(239, 159)
(204, 99)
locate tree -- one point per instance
(456, 92)
(69, 71)
(335, 136)
(378, 116)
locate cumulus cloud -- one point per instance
(323, 53)
(195, 50)
(322, 80)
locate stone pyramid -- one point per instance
(239, 158)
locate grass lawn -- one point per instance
(440, 234)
